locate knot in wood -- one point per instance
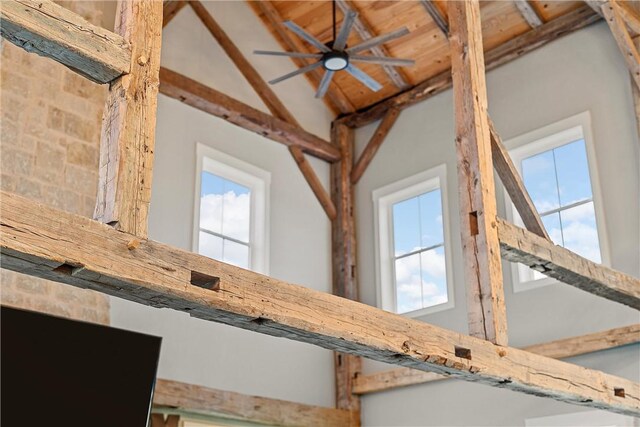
(142, 60)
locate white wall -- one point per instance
(215, 355)
(581, 72)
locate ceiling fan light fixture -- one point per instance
(335, 61)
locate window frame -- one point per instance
(544, 139)
(257, 180)
(383, 200)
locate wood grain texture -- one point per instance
(129, 122)
(374, 144)
(170, 10)
(486, 310)
(559, 349)
(613, 16)
(436, 15)
(41, 241)
(512, 182)
(220, 105)
(529, 13)
(50, 30)
(314, 182)
(494, 58)
(208, 401)
(630, 16)
(344, 258)
(266, 11)
(520, 245)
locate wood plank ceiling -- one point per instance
(427, 44)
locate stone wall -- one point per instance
(49, 143)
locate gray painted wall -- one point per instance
(582, 72)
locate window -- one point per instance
(231, 212)
(414, 274)
(554, 165)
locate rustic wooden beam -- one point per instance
(220, 105)
(314, 182)
(171, 9)
(208, 401)
(613, 16)
(50, 30)
(529, 13)
(631, 17)
(596, 5)
(366, 31)
(374, 144)
(344, 258)
(512, 182)
(559, 349)
(494, 58)
(437, 16)
(266, 11)
(480, 245)
(45, 242)
(520, 245)
(129, 122)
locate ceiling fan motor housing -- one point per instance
(335, 60)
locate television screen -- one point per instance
(60, 372)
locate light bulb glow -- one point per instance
(336, 63)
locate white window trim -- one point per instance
(383, 200)
(547, 138)
(250, 176)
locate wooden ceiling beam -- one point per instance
(45, 242)
(314, 182)
(520, 245)
(196, 399)
(559, 349)
(365, 31)
(480, 245)
(494, 58)
(220, 105)
(50, 30)
(170, 9)
(529, 13)
(614, 17)
(437, 16)
(267, 12)
(127, 140)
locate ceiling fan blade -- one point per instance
(296, 72)
(382, 60)
(375, 41)
(306, 36)
(324, 83)
(341, 40)
(289, 54)
(364, 78)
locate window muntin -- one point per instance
(412, 251)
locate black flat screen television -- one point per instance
(60, 372)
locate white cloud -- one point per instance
(228, 214)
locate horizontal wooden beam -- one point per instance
(494, 58)
(41, 241)
(559, 349)
(220, 105)
(540, 254)
(50, 30)
(208, 401)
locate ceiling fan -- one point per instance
(337, 56)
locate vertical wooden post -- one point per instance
(480, 244)
(343, 236)
(129, 122)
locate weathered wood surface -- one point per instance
(494, 58)
(129, 122)
(520, 245)
(630, 16)
(529, 13)
(486, 310)
(512, 182)
(220, 105)
(613, 16)
(208, 401)
(314, 182)
(171, 9)
(559, 349)
(45, 242)
(436, 15)
(50, 30)
(344, 258)
(335, 98)
(374, 144)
